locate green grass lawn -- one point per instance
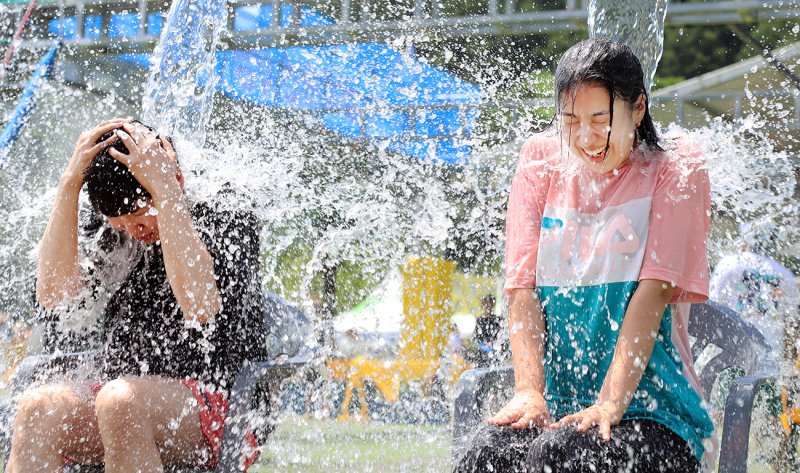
(304, 445)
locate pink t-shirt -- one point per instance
(679, 218)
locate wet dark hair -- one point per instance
(112, 189)
(613, 66)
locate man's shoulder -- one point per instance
(227, 207)
(229, 228)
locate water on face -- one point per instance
(325, 201)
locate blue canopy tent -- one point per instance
(360, 91)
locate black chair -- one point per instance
(289, 345)
(481, 392)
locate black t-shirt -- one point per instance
(486, 329)
(143, 331)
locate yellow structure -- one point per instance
(791, 410)
(386, 375)
(790, 415)
(427, 288)
(14, 353)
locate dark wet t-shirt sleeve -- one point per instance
(232, 240)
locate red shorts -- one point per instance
(212, 408)
(212, 421)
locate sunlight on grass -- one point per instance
(327, 446)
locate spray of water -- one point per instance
(640, 25)
(180, 88)
(327, 201)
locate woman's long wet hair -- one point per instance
(613, 66)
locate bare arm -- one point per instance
(527, 336)
(631, 356)
(58, 274)
(527, 333)
(188, 264)
(635, 344)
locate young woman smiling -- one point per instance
(606, 235)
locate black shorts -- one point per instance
(636, 446)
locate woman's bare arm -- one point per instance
(527, 333)
(631, 356)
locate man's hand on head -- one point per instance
(86, 149)
(151, 160)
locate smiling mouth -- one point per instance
(597, 154)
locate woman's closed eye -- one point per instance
(569, 120)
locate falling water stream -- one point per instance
(640, 25)
(180, 90)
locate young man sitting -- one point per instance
(179, 289)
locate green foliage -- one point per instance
(354, 282)
(354, 279)
(290, 267)
(772, 35)
(535, 84)
(792, 262)
(499, 60)
(691, 51)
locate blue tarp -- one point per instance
(26, 102)
(366, 90)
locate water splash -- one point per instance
(638, 23)
(325, 200)
(179, 94)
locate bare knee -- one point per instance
(49, 405)
(120, 409)
(45, 417)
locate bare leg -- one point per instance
(53, 421)
(148, 422)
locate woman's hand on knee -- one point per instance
(525, 409)
(600, 416)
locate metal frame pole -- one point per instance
(493, 8)
(142, 15)
(345, 13)
(275, 21)
(80, 19)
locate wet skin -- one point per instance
(142, 225)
